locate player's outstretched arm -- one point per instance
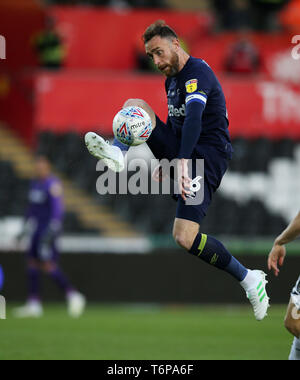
(278, 252)
(142, 104)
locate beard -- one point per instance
(172, 68)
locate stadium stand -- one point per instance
(86, 93)
(83, 216)
(226, 216)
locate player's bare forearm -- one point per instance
(291, 233)
(278, 252)
(142, 104)
(184, 181)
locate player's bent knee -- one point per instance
(184, 233)
(180, 240)
(292, 328)
(134, 103)
(145, 106)
(184, 240)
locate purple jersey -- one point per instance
(46, 203)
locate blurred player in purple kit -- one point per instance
(44, 221)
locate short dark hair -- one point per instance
(159, 28)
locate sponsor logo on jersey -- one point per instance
(191, 86)
(177, 112)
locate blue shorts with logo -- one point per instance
(165, 144)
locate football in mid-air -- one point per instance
(132, 126)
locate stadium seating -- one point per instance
(82, 214)
(12, 196)
(77, 93)
(255, 155)
(14, 199)
(154, 214)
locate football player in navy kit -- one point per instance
(196, 128)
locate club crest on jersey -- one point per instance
(191, 86)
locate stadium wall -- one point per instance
(19, 24)
(103, 38)
(89, 48)
(166, 276)
(84, 101)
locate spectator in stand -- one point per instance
(49, 47)
(290, 16)
(119, 4)
(233, 14)
(266, 12)
(243, 58)
(147, 3)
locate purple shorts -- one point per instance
(40, 251)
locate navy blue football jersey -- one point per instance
(196, 82)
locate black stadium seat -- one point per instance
(255, 155)
(14, 193)
(284, 148)
(154, 214)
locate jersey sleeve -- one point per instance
(198, 85)
(197, 90)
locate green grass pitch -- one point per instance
(148, 333)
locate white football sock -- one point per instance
(295, 352)
(249, 281)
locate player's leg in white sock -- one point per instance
(295, 351)
(163, 141)
(292, 324)
(145, 106)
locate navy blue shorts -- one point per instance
(215, 166)
(165, 144)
